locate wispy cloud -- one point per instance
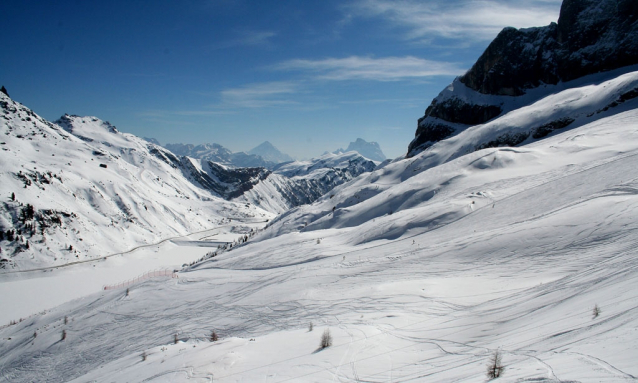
(369, 68)
(248, 38)
(465, 19)
(259, 95)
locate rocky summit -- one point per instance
(590, 37)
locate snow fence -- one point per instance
(143, 277)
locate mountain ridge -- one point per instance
(590, 37)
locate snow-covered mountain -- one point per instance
(374, 195)
(80, 189)
(71, 188)
(221, 155)
(420, 273)
(270, 153)
(370, 150)
(301, 182)
(523, 66)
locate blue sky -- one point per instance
(306, 75)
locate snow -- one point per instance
(300, 182)
(423, 269)
(139, 198)
(420, 269)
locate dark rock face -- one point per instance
(516, 60)
(428, 134)
(591, 36)
(235, 181)
(546, 129)
(458, 111)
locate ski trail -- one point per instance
(607, 366)
(335, 376)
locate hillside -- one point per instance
(83, 190)
(74, 187)
(299, 183)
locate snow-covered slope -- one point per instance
(590, 99)
(84, 190)
(302, 182)
(420, 275)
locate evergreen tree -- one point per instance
(30, 212)
(13, 196)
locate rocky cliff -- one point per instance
(590, 37)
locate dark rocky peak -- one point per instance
(4, 90)
(591, 36)
(516, 60)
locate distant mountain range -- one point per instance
(264, 155)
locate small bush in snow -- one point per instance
(595, 312)
(495, 368)
(144, 356)
(310, 327)
(214, 337)
(326, 339)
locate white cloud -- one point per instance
(368, 68)
(466, 19)
(259, 95)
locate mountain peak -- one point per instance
(591, 36)
(370, 150)
(270, 153)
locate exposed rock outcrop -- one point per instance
(591, 36)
